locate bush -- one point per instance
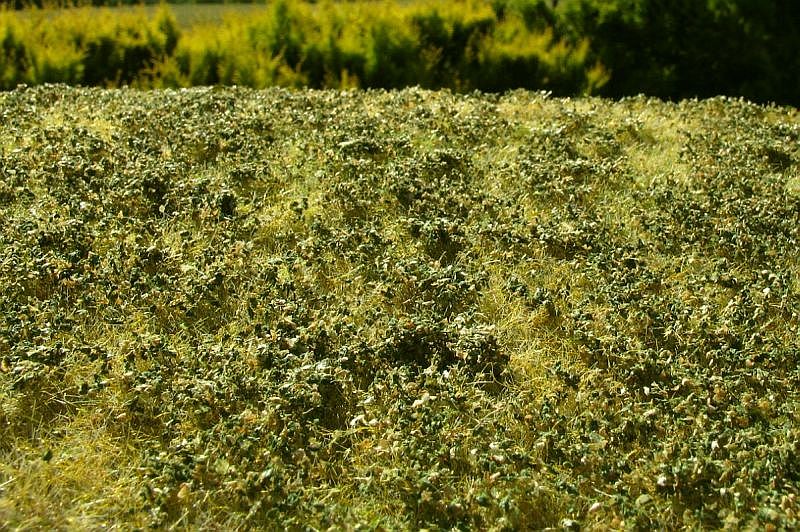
(685, 48)
(117, 48)
(12, 61)
(461, 46)
(670, 49)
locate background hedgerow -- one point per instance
(462, 46)
(669, 49)
(686, 48)
(230, 308)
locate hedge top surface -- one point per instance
(236, 308)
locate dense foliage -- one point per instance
(667, 48)
(462, 46)
(692, 48)
(227, 308)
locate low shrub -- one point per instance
(369, 44)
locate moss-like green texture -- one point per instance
(396, 310)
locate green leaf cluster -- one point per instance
(229, 308)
